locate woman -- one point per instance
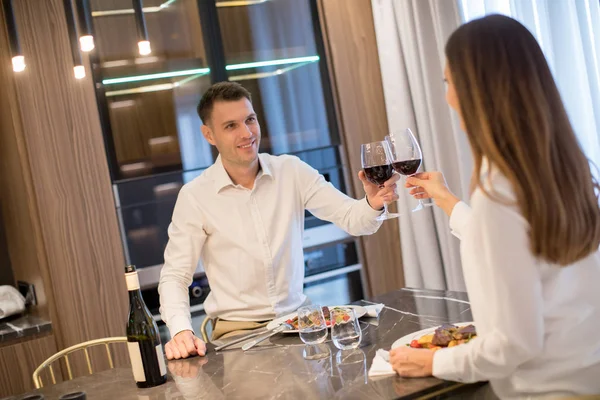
(529, 242)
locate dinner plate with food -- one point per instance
(292, 318)
(447, 335)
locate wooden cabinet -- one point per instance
(19, 360)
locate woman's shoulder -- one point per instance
(495, 196)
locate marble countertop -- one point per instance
(21, 327)
(278, 370)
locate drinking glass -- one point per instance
(406, 156)
(345, 329)
(351, 365)
(311, 324)
(376, 163)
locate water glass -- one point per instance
(351, 365)
(345, 329)
(311, 324)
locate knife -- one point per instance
(275, 331)
(240, 339)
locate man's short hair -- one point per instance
(222, 91)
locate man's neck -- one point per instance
(241, 174)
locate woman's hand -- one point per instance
(432, 185)
(412, 363)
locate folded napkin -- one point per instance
(374, 310)
(381, 367)
(11, 301)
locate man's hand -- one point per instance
(183, 345)
(377, 196)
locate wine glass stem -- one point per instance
(385, 206)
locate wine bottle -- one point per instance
(143, 340)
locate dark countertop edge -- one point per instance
(30, 333)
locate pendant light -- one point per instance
(78, 68)
(86, 38)
(142, 33)
(18, 60)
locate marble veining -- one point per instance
(278, 369)
(20, 327)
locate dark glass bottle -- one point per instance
(143, 339)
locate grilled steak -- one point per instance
(465, 332)
(443, 335)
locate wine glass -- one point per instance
(376, 163)
(406, 156)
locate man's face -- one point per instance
(235, 131)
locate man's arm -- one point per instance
(186, 238)
(324, 201)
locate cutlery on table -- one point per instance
(241, 339)
(284, 326)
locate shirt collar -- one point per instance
(222, 179)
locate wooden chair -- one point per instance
(37, 380)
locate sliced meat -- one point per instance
(443, 335)
(465, 332)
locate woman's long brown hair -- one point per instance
(514, 117)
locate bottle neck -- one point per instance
(132, 281)
(133, 285)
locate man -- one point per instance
(244, 217)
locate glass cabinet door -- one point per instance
(151, 100)
(270, 47)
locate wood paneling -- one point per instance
(354, 61)
(71, 181)
(20, 214)
(60, 213)
(18, 361)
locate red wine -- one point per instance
(143, 340)
(408, 167)
(379, 174)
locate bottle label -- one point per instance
(161, 360)
(137, 364)
(136, 361)
(132, 280)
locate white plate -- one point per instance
(404, 340)
(359, 311)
